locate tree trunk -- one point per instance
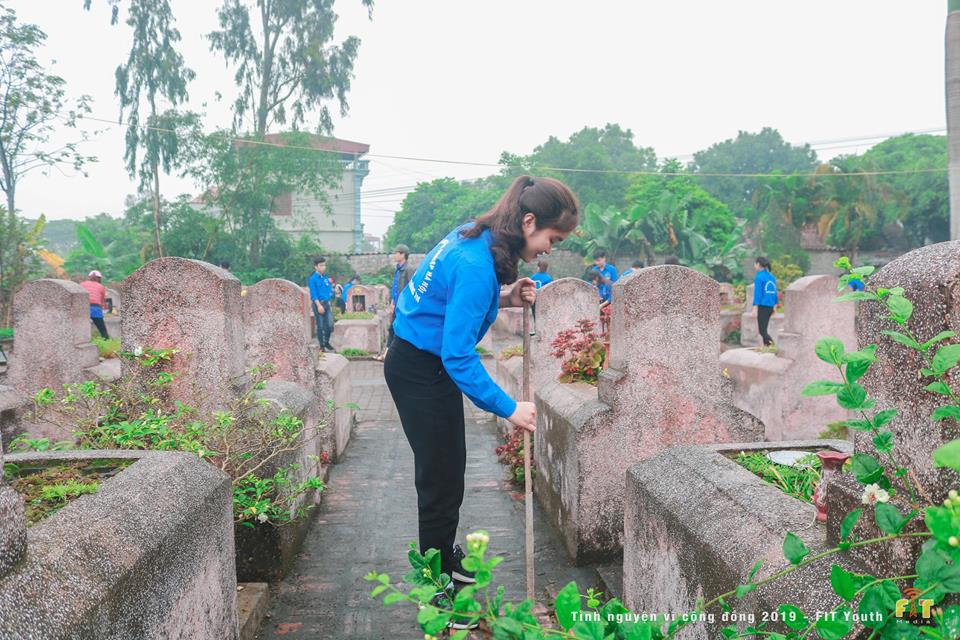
(953, 112)
(156, 205)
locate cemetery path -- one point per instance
(368, 518)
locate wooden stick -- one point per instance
(527, 484)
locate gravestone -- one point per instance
(361, 298)
(13, 525)
(51, 322)
(196, 308)
(663, 388)
(930, 277)
(277, 330)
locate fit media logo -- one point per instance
(916, 610)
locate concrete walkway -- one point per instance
(368, 517)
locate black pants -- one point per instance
(431, 411)
(390, 335)
(763, 323)
(101, 327)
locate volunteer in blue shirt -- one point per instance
(856, 284)
(637, 264)
(608, 274)
(321, 290)
(441, 315)
(541, 277)
(765, 297)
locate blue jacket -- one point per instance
(320, 287)
(346, 291)
(542, 279)
(610, 272)
(856, 284)
(765, 290)
(446, 309)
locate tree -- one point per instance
(434, 209)
(33, 101)
(918, 202)
(154, 71)
(285, 64)
(763, 152)
(19, 243)
(608, 149)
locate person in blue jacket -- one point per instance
(541, 277)
(441, 315)
(765, 297)
(321, 290)
(856, 284)
(637, 265)
(608, 274)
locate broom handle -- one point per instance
(527, 484)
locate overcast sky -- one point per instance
(463, 81)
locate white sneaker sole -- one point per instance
(459, 577)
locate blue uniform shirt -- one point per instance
(451, 301)
(346, 290)
(765, 290)
(610, 272)
(320, 287)
(542, 279)
(856, 284)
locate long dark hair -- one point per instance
(551, 201)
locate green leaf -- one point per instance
(432, 620)
(852, 396)
(849, 523)
(903, 339)
(729, 632)
(883, 417)
(948, 456)
(836, 626)
(843, 582)
(900, 308)
(380, 588)
(858, 425)
(754, 570)
(943, 335)
(944, 413)
(864, 271)
(857, 369)
(946, 358)
(794, 549)
(830, 350)
(949, 577)
(866, 469)
(938, 387)
(883, 441)
(589, 630)
(567, 604)
(877, 601)
(888, 518)
(821, 388)
(88, 242)
(394, 597)
(855, 296)
(793, 617)
(744, 589)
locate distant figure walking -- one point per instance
(321, 290)
(98, 300)
(765, 298)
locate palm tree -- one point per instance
(953, 112)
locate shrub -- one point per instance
(511, 454)
(511, 352)
(350, 352)
(108, 347)
(357, 315)
(245, 438)
(582, 352)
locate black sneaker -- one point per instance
(457, 572)
(329, 347)
(444, 600)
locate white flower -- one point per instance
(138, 351)
(262, 517)
(873, 494)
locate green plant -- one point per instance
(835, 431)
(889, 487)
(582, 351)
(244, 439)
(511, 454)
(481, 350)
(350, 352)
(357, 315)
(6, 334)
(108, 347)
(798, 481)
(733, 337)
(512, 352)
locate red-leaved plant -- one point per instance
(511, 453)
(583, 352)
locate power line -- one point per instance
(545, 168)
